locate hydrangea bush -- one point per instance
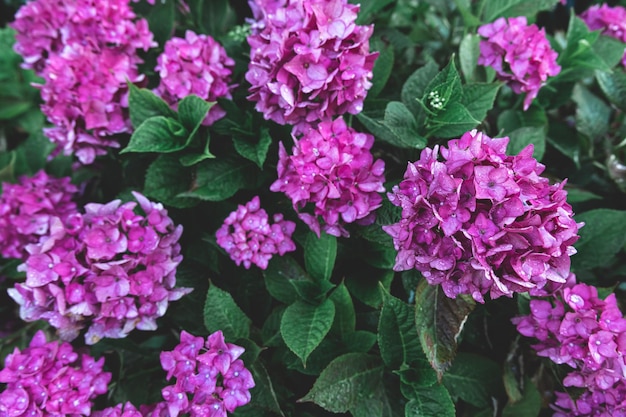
(312, 208)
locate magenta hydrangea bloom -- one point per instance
(27, 209)
(111, 270)
(332, 168)
(610, 20)
(587, 333)
(478, 221)
(249, 238)
(120, 410)
(309, 60)
(50, 379)
(196, 65)
(210, 379)
(520, 54)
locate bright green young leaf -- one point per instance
(528, 406)
(166, 179)
(478, 98)
(397, 335)
(304, 326)
(414, 87)
(473, 378)
(158, 134)
(219, 179)
(431, 401)
(592, 114)
(443, 90)
(382, 70)
(524, 136)
(439, 321)
(613, 84)
(143, 104)
(469, 52)
(319, 255)
(222, 313)
(255, 152)
(346, 381)
(602, 237)
(452, 122)
(345, 317)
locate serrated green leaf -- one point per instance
(431, 401)
(524, 136)
(346, 381)
(478, 98)
(222, 313)
(602, 237)
(255, 152)
(414, 87)
(400, 121)
(166, 179)
(469, 51)
(304, 326)
(143, 104)
(473, 378)
(397, 334)
(445, 89)
(345, 317)
(513, 8)
(319, 255)
(592, 114)
(219, 179)
(439, 322)
(613, 84)
(158, 134)
(453, 121)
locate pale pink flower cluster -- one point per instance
(210, 377)
(520, 54)
(333, 168)
(610, 20)
(28, 207)
(86, 51)
(111, 270)
(249, 238)
(309, 60)
(588, 334)
(478, 221)
(50, 379)
(196, 65)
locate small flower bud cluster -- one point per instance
(309, 60)
(333, 168)
(481, 222)
(27, 209)
(86, 51)
(610, 20)
(50, 379)
(210, 377)
(249, 238)
(110, 269)
(519, 53)
(196, 65)
(589, 334)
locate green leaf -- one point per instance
(432, 401)
(401, 136)
(370, 8)
(613, 84)
(255, 152)
(345, 317)
(528, 406)
(365, 286)
(513, 8)
(304, 326)
(474, 379)
(263, 393)
(414, 87)
(602, 237)
(469, 51)
(609, 50)
(524, 136)
(319, 255)
(510, 120)
(280, 271)
(453, 121)
(382, 70)
(443, 90)
(565, 140)
(578, 195)
(345, 382)
(397, 335)
(161, 20)
(359, 341)
(12, 109)
(222, 313)
(219, 179)
(439, 321)
(192, 111)
(478, 98)
(380, 404)
(592, 114)
(143, 104)
(166, 179)
(158, 134)
(195, 158)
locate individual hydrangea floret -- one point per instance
(120, 410)
(210, 379)
(520, 54)
(196, 65)
(112, 269)
(309, 60)
(610, 20)
(249, 238)
(588, 334)
(478, 221)
(50, 379)
(28, 207)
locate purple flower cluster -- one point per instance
(86, 51)
(50, 379)
(27, 210)
(196, 65)
(120, 410)
(480, 221)
(111, 269)
(589, 334)
(610, 20)
(210, 377)
(309, 60)
(519, 53)
(249, 238)
(333, 168)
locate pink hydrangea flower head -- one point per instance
(610, 20)
(333, 168)
(49, 378)
(309, 60)
(209, 378)
(196, 65)
(249, 238)
(519, 53)
(121, 410)
(478, 221)
(28, 207)
(112, 269)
